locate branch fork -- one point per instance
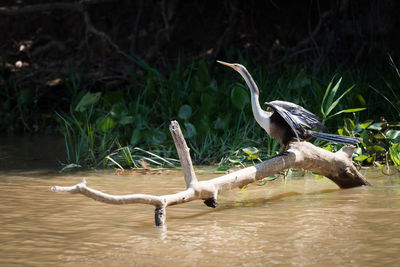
(338, 167)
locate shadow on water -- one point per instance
(31, 153)
(255, 202)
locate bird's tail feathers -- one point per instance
(334, 138)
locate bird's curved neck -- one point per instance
(260, 115)
(250, 83)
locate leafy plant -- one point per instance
(329, 102)
(240, 157)
(212, 107)
(379, 142)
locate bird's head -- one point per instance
(245, 74)
(238, 67)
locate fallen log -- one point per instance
(337, 166)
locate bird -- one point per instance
(285, 120)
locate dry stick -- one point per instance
(183, 153)
(336, 166)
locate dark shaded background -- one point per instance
(43, 42)
(89, 34)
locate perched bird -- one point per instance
(285, 120)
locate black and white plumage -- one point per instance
(285, 120)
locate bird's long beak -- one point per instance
(227, 64)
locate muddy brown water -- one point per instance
(298, 221)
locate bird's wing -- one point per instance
(301, 115)
(287, 116)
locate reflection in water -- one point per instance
(304, 221)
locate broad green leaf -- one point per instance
(155, 137)
(361, 158)
(381, 166)
(358, 151)
(370, 159)
(375, 148)
(376, 126)
(222, 169)
(190, 130)
(379, 136)
(219, 124)
(239, 97)
(127, 120)
(185, 112)
(136, 136)
(393, 134)
(118, 110)
(395, 154)
(88, 100)
(252, 157)
(366, 124)
(107, 125)
(270, 178)
(236, 159)
(250, 150)
(365, 138)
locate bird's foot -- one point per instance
(211, 202)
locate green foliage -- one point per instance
(395, 154)
(212, 105)
(328, 103)
(87, 101)
(379, 142)
(241, 157)
(135, 157)
(240, 97)
(185, 112)
(213, 110)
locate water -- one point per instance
(301, 221)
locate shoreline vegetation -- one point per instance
(110, 76)
(126, 126)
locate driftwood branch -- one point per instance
(336, 166)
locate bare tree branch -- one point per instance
(336, 166)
